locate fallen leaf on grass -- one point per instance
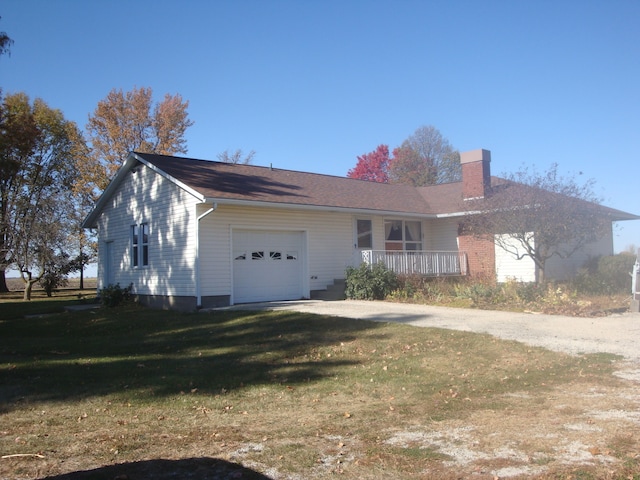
(17, 455)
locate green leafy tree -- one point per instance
(55, 273)
(39, 156)
(18, 139)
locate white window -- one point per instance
(403, 235)
(139, 245)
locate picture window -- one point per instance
(403, 235)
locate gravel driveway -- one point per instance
(618, 334)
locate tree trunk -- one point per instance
(28, 286)
(540, 277)
(82, 277)
(3, 282)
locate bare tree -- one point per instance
(237, 157)
(539, 216)
(425, 158)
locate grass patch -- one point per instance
(294, 393)
(14, 308)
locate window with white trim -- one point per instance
(403, 235)
(364, 234)
(140, 245)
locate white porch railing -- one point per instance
(418, 262)
(635, 285)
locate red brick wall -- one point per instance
(481, 256)
(475, 179)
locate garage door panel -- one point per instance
(267, 265)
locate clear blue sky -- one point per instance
(310, 84)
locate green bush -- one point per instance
(52, 280)
(370, 283)
(114, 295)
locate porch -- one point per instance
(419, 262)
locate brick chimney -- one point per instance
(476, 173)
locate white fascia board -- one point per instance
(458, 214)
(317, 208)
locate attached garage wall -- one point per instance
(329, 246)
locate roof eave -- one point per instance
(324, 208)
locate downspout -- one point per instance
(197, 254)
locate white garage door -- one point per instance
(267, 265)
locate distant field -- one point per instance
(16, 284)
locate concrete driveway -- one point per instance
(618, 334)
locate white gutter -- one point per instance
(197, 254)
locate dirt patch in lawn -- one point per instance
(587, 427)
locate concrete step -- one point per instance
(335, 291)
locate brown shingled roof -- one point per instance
(224, 181)
(249, 183)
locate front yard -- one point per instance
(285, 395)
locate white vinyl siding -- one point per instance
(441, 235)
(509, 268)
(169, 212)
(560, 269)
(556, 268)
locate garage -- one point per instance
(267, 265)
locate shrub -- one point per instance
(480, 292)
(52, 280)
(529, 292)
(55, 273)
(606, 275)
(370, 283)
(114, 295)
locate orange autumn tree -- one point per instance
(126, 122)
